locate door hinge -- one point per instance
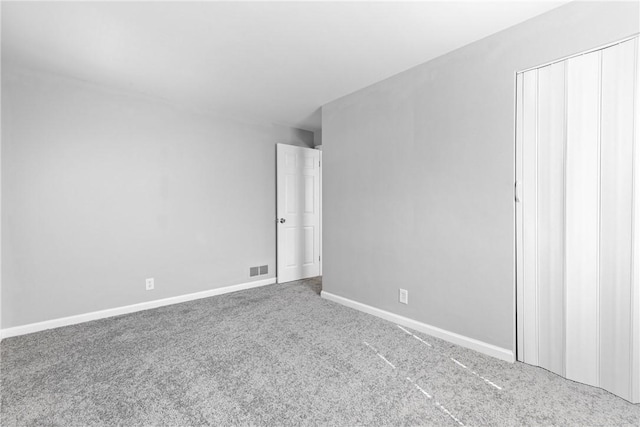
(318, 258)
(516, 191)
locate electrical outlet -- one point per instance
(150, 283)
(403, 296)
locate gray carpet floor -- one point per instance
(277, 355)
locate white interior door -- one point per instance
(298, 212)
(578, 257)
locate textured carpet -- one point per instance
(277, 355)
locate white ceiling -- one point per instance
(275, 62)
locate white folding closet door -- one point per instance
(578, 227)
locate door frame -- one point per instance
(517, 334)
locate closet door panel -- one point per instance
(529, 212)
(551, 130)
(616, 212)
(582, 209)
(519, 220)
(635, 357)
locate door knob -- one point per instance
(282, 220)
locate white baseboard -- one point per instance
(87, 317)
(452, 337)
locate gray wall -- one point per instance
(418, 176)
(101, 189)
